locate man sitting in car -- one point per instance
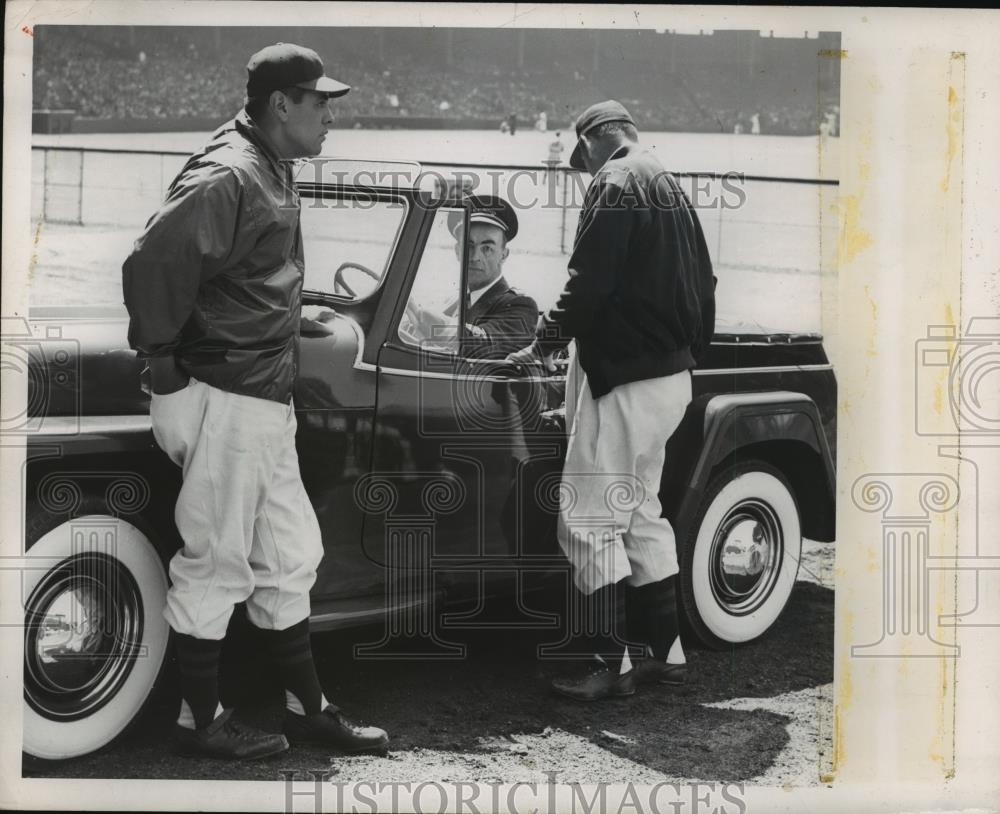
(498, 318)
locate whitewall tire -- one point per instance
(95, 637)
(741, 555)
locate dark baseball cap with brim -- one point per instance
(285, 65)
(600, 113)
(489, 209)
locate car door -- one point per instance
(350, 239)
(455, 437)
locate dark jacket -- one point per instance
(640, 300)
(216, 278)
(501, 321)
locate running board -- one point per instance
(340, 614)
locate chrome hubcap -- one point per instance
(83, 633)
(746, 557)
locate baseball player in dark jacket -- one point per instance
(213, 288)
(639, 306)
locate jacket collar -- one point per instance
(489, 297)
(252, 132)
(621, 152)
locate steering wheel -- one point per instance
(340, 284)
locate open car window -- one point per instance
(348, 242)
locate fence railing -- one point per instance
(99, 186)
(765, 234)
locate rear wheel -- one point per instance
(95, 639)
(741, 555)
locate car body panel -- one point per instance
(411, 460)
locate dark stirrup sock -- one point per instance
(605, 609)
(635, 624)
(198, 660)
(658, 603)
(293, 657)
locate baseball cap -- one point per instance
(600, 113)
(490, 209)
(285, 65)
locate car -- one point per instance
(435, 478)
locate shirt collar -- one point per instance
(475, 296)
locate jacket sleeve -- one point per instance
(599, 253)
(193, 237)
(706, 282)
(503, 331)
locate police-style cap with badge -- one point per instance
(285, 65)
(491, 209)
(600, 113)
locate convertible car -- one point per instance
(435, 477)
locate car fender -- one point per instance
(782, 427)
(114, 458)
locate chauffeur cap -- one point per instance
(491, 209)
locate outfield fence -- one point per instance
(750, 221)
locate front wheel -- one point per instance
(740, 556)
(95, 638)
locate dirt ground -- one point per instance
(758, 713)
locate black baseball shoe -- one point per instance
(651, 671)
(227, 739)
(596, 685)
(331, 728)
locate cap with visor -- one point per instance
(600, 113)
(285, 65)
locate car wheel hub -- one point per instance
(82, 636)
(745, 557)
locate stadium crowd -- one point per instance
(170, 76)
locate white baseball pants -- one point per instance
(249, 530)
(610, 526)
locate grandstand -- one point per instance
(185, 78)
